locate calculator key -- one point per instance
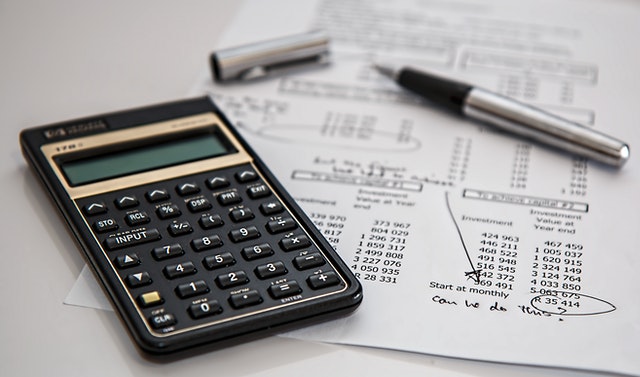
(271, 208)
(228, 198)
(174, 271)
(217, 182)
(127, 260)
(127, 201)
(304, 262)
(257, 251)
(221, 260)
(295, 242)
(150, 299)
(206, 242)
(285, 289)
(210, 221)
(258, 191)
(243, 234)
(188, 188)
(167, 251)
(179, 228)
(240, 300)
(246, 176)
(137, 218)
(135, 237)
(232, 279)
(95, 208)
(241, 214)
(105, 225)
(162, 320)
(204, 309)
(191, 289)
(323, 280)
(138, 280)
(270, 270)
(281, 225)
(157, 195)
(199, 205)
(168, 211)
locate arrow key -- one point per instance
(94, 208)
(187, 188)
(138, 280)
(270, 208)
(127, 260)
(126, 201)
(157, 195)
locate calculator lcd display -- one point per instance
(143, 158)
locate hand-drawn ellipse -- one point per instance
(571, 304)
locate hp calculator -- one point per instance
(190, 234)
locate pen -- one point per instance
(510, 115)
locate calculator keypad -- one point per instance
(207, 248)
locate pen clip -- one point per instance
(271, 57)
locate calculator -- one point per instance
(189, 233)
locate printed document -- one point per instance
(469, 242)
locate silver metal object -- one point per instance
(546, 128)
(271, 57)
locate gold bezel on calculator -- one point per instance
(178, 126)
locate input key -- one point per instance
(131, 238)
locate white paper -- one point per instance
(345, 362)
(87, 293)
(469, 243)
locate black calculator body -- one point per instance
(190, 234)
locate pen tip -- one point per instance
(385, 70)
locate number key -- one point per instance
(270, 270)
(218, 261)
(232, 279)
(191, 289)
(173, 271)
(204, 309)
(257, 251)
(206, 242)
(244, 234)
(167, 251)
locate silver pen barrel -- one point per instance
(533, 123)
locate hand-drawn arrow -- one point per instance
(474, 274)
